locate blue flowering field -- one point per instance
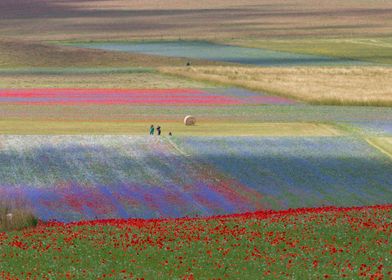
(71, 178)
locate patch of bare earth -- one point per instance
(21, 53)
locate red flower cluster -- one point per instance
(130, 96)
(327, 242)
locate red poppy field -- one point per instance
(318, 243)
(74, 96)
(286, 173)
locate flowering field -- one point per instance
(70, 178)
(300, 172)
(135, 97)
(321, 243)
(273, 182)
(380, 128)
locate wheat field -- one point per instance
(371, 86)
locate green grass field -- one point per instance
(373, 49)
(175, 113)
(137, 78)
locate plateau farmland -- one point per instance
(286, 173)
(129, 176)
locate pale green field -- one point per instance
(373, 49)
(176, 113)
(177, 128)
(56, 79)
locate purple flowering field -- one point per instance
(71, 178)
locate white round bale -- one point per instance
(190, 120)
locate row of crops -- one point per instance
(137, 97)
(346, 115)
(85, 177)
(214, 103)
(301, 172)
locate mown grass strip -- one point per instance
(177, 128)
(383, 144)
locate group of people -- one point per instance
(159, 131)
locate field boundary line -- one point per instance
(382, 150)
(177, 148)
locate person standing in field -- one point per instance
(152, 129)
(159, 130)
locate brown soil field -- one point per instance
(123, 19)
(20, 53)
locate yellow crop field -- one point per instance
(317, 85)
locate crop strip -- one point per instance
(378, 147)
